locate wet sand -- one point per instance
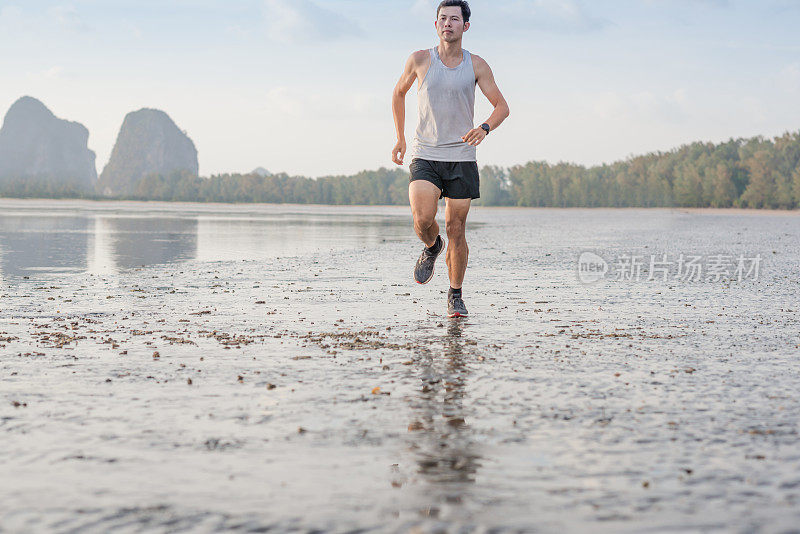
(204, 369)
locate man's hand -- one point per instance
(474, 136)
(399, 151)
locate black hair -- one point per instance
(465, 12)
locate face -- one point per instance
(450, 25)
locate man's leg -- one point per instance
(424, 198)
(455, 216)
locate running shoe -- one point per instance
(456, 307)
(423, 270)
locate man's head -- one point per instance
(452, 19)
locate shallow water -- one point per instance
(302, 380)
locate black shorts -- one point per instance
(456, 179)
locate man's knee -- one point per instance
(423, 220)
(455, 230)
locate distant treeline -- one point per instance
(747, 173)
(36, 187)
(367, 187)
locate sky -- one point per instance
(304, 86)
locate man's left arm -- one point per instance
(485, 80)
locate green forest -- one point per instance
(742, 173)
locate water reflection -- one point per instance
(42, 246)
(443, 445)
(53, 244)
(36, 242)
(124, 243)
(261, 238)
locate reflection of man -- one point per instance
(444, 163)
(444, 446)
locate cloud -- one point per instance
(295, 103)
(425, 8)
(53, 72)
(644, 105)
(238, 31)
(691, 3)
(294, 21)
(555, 16)
(67, 17)
(134, 31)
(30, 20)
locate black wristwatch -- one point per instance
(486, 128)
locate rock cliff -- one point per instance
(149, 142)
(35, 145)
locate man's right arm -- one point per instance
(399, 105)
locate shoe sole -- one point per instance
(457, 315)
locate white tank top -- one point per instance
(446, 111)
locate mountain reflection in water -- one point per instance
(38, 240)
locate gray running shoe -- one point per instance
(456, 308)
(423, 270)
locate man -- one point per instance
(445, 163)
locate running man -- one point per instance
(444, 163)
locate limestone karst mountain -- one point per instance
(148, 143)
(37, 146)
